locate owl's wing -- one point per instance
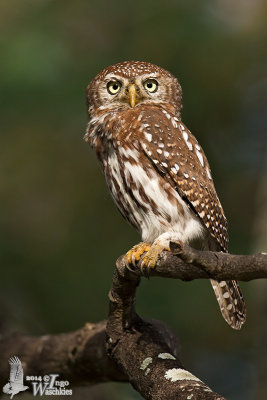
(176, 154)
(16, 371)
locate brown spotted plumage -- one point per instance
(157, 172)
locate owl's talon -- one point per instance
(135, 253)
(145, 271)
(150, 259)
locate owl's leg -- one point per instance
(160, 244)
(134, 255)
(152, 252)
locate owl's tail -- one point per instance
(231, 302)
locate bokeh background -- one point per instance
(60, 231)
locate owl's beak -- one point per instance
(132, 96)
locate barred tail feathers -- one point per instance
(231, 302)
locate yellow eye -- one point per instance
(113, 87)
(151, 85)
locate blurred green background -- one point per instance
(60, 231)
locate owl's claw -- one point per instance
(134, 255)
(149, 260)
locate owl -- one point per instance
(156, 170)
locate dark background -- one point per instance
(60, 232)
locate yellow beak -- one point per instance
(132, 95)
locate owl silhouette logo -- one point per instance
(15, 384)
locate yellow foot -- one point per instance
(133, 255)
(149, 260)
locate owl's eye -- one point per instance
(151, 85)
(113, 87)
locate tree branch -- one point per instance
(129, 348)
(147, 352)
(79, 356)
(186, 263)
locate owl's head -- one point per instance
(131, 84)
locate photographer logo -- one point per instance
(46, 385)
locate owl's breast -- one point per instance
(144, 197)
(129, 146)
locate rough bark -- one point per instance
(147, 351)
(79, 356)
(186, 263)
(128, 348)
